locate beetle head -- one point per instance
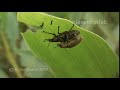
(76, 32)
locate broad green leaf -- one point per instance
(34, 67)
(92, 58)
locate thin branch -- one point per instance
(10, 56)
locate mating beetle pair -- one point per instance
(67, 39)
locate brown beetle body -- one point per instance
(65, 36)
(71, 43)
(67, 39)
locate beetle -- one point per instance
(64, 36)
(71, 43)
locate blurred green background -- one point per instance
(15, 53)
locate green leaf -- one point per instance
(92, 58)
(33, 65)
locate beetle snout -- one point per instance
(77, 32)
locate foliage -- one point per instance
(91, 58)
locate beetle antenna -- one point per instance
(72, 27)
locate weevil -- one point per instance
(64, 36)
(71, 43)
(67, 39)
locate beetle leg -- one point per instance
(51, 22)
(49, 44)
(72, 27)
(50, 33)
(47, 40)
(66, 38)
(42, 25)
(58, 30)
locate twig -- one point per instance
(10, 56)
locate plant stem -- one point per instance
(10, 56)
